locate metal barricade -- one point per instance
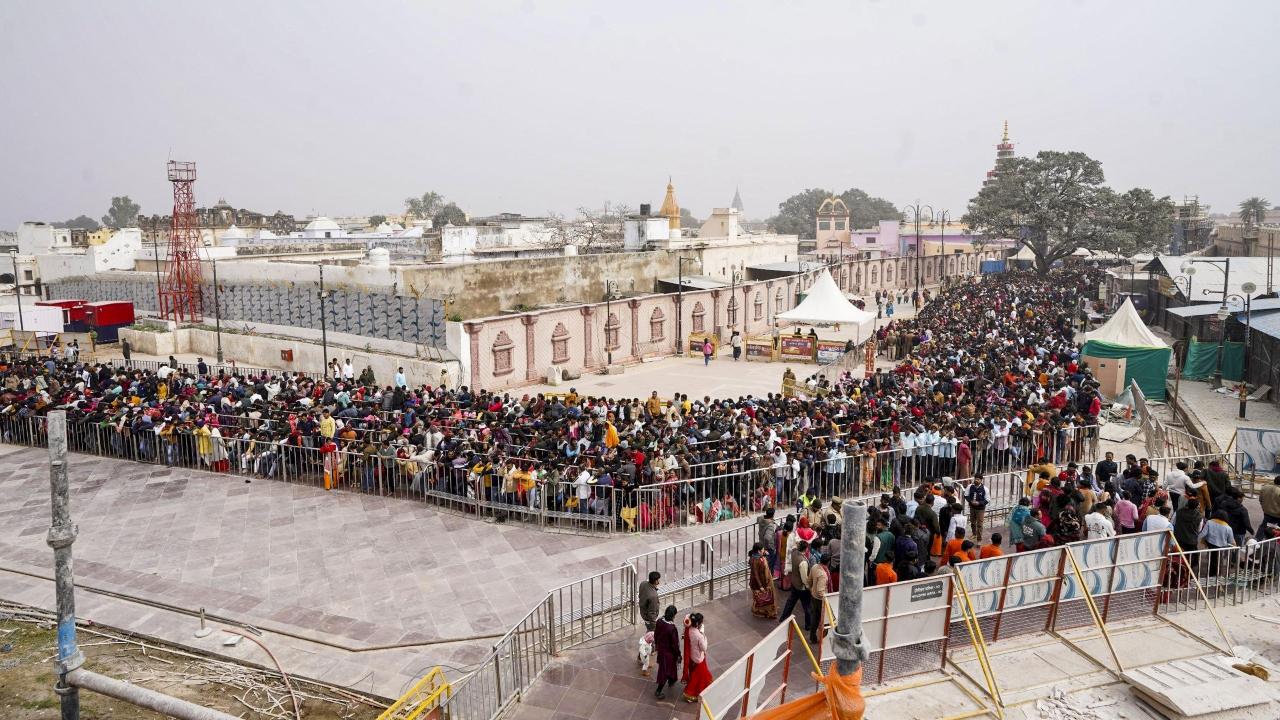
(1227, 576)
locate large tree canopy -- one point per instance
(798, 214)
(1057, 202)
(123, 213)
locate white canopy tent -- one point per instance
(826, 304)
(1126, 328)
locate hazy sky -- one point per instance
(348, 107)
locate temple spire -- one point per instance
(1004, 152)
(670, 208)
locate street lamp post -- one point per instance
(943, 217)
(17, 289)
(1245, 299)
(324, 332)
(680, 303)
(917, 216)
(1222, 335)
(155, 249)
(609, 288)
(217, 306)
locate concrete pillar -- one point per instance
(587, 312)
(530, 359)
(635, 327)
(477, 377)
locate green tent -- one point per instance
(1148, 365)
(1146, 355)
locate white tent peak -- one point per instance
(1126, 328)
(825, 303)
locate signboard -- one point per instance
(829, 351)
(926, 591)
(695, 342)
(796, 347)
(869, 362)
(760, 350)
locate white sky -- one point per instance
(348, 107)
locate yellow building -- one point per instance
(99, 236)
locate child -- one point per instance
(644, 652)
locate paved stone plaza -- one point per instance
(327, 576)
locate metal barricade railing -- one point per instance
(1227, 576)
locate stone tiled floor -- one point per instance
(336, 568)
(601, 679)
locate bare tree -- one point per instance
(590, 230)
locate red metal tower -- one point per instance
(180, 294)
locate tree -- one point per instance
(84, 222)
(590, 231)
(376, 220)
(122, 214)
(865, 211)
(1253, 210)
(448, 213)
(1140, 222)
(1056, 202)
(424, 207)
(798, 214)
(688, 221)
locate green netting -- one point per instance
(1148, 365)
(1202, 360)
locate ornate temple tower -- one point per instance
(671, 210)
(1004, 151)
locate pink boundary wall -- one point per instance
(510, 351)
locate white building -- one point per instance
(35, 238)
(118, 253)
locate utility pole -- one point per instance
(62, 534)
(847, 643)
(17, 288)
(217, 306)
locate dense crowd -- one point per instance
(985, 377)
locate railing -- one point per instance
(588, 609)
(1225, 576)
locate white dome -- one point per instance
(234, 233)
(385, 228)
(322, 224)
(379, 257)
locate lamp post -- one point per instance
(735, 277)
(217, 306)
(324, 333)
(155, 249)
(917, 216)
(943, 217)
(680, 303)
(1245, 299)
(610, 287)
(17, 289)
(1222, 335)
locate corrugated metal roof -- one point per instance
(787, 266)
(1268, 323)
(1206, 309)
(1208, 276)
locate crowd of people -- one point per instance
(966, 394)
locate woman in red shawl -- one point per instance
(697, 676)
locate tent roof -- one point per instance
(1126, 328)
(1024, 253)
(825, 303)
